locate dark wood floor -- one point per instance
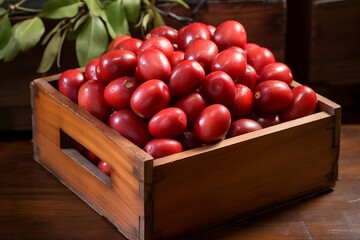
(35, 205)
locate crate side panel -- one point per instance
(58, 116)
(121, 185)
(195, 193)
(101, 198)
(132, 158)
(121, 203)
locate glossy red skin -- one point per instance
(161, 43)
(131, 126)
(176, 58)
(138, 76)
(249, 46)
(265, 119)
(115, 64)
(278, 71)
(231, 61)
(90, 69)
(149, 98)
(212, 124)
(130, 44)
(92, 157)
(203, 51)
(161, 147)
(243, 104)
(212, 29)
(249, 78)
(153, 64)
(192, 104)
(304, 103)
(104, 167)
(273, 96)
(168, 123)
(118, 92)
(239, 49)
(192, 32)
(91, 98)
(188, 140)
(186, 77)
(230, 33)
(70, 82)
(219, 88)
(164, 31)
(114, 43)
(259, 58)
(242, 126)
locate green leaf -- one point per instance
(10, 51)
(91, 41)
(110, 29)
(180, 2)
(74, 29)
(5, 30)
(132, 10)
(145, 21)
(1, 2)
(2, 11)
(158, 20)
(50, 53)
(58, 9)
(71, 35)
(60, 46)
(28, 33)
(52, 32)
(116, 18)
(95, 7)
(80, 22)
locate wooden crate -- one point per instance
(188, 192)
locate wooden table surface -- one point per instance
(35, 205)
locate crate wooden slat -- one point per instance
(192, 191)
(121, 201)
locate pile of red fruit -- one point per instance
(180, 89)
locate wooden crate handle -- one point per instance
(70, 150)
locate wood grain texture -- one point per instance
(334, 48)
(123, 201)
(15, 79)
(35, 205)
(322, 47)
(243, 177)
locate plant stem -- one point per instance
(18, 7)
(27, 9)
(19, 3)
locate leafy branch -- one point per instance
(90, 23)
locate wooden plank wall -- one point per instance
(323, 48)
